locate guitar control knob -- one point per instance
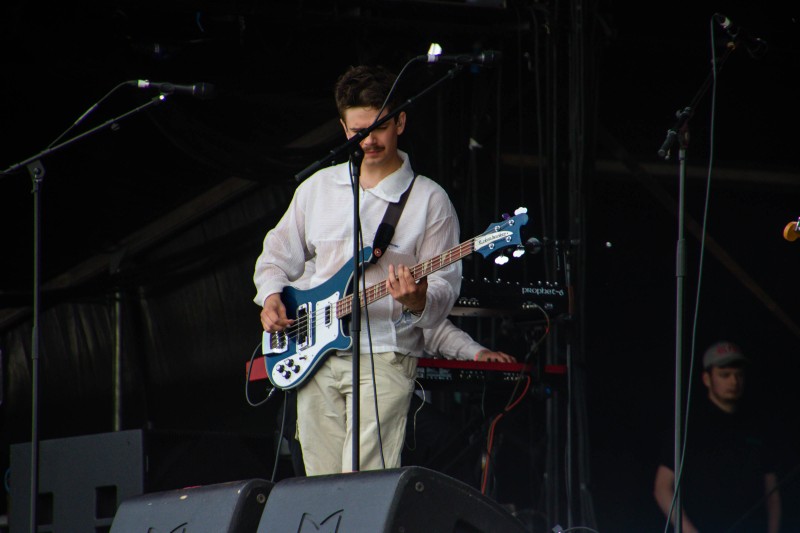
(280, 368)
(287, 375)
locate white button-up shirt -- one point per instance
(318, 226)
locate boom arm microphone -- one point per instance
(755, 46)
(199, 90)
(488, 57)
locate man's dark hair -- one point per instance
(364, 86)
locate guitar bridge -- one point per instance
(274, 342)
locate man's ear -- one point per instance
(344, 126)
(401, 122)
(707, 378)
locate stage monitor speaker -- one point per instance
(232, 507)
(81, 481)
(84, 479)
(409, 499)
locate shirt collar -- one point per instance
(390, 188)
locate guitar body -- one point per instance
(293, 355)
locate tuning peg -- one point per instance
(505, 216)
(501, 259)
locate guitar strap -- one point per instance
(385, 231)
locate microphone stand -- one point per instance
(37, 172)
(680, 131)
(356, 156)
(353, 147)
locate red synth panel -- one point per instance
(259, 370)
(490, 366)
(259, 366)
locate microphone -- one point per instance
(755, 46)
(487, 58)
(790, 231)
(199, 90)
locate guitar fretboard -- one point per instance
(375, 292)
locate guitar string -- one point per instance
(343, 307)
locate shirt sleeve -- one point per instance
(450, 342)
(283, 254)
(443, 285)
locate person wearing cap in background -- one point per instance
(729, 480)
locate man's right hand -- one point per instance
(273, 315)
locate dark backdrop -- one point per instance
(166, 210)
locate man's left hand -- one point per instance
(499, 357)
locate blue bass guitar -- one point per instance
(320, 313)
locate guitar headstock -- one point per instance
(503, 234)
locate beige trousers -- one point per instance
(325, 409)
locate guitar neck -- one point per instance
(375, 292)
